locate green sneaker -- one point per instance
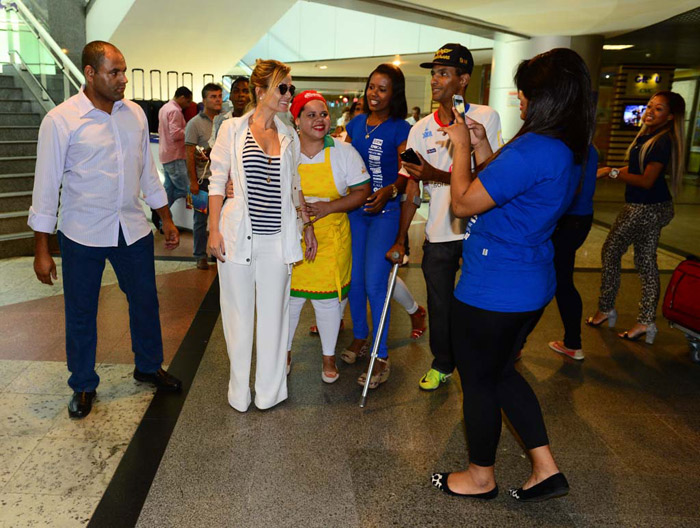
(433, 379)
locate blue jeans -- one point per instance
(372, 236)
(82, 276)
(199, 228)
(177, 181)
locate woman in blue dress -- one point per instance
(508, 277)
(379, 135)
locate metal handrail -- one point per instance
(167, 82)
(76, 77)
(45, 95)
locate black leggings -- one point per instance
(570, 234)
(485, 344)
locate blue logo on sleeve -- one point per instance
(427, 133)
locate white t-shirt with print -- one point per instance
(348, 167)
(437, 149)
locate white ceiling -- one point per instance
(361, 67)
(565, 17)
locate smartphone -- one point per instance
(410, 156)
(458, 103)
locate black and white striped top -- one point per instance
(264, 188)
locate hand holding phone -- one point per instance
(410, 156)
(458, 104)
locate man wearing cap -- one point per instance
(451, 70)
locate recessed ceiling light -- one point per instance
(322, 67)
(617, 47)
(397, 62)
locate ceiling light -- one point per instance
(617, 47)
(323, 67)
(397, 62)
(64, 50)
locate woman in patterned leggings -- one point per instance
(647, 210)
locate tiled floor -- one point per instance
(627, 411)
(54, 470)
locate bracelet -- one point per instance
(308, 224)
(416, 200)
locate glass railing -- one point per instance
(27, 47)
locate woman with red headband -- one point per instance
(334, 180)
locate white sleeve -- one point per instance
(493, 130)
(151, 187)
(355, 171)
(221, 159)
(50, 162)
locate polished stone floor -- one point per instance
(623, 424)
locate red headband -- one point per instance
(304, 97)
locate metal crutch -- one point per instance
(378, 332)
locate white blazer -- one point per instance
(234, 223)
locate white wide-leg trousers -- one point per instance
(261, 287)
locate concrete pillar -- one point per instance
(509, 51)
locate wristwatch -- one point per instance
(394, 191)
(613, 173)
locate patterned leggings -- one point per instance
(638, 224)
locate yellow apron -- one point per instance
(329, 275)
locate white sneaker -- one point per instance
(558, 346)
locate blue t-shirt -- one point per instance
(660, 152)
(583, 200)
(379, 151)
(507, 252)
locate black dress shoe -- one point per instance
(80, 404)
(160, 379)
(550, 488)
(439, 480)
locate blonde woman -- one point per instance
(255, 236)
(648, 208)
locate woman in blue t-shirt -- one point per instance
(379, 135)
(647, 210)
(507, 274)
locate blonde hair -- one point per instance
(266, 75)
(674, 129)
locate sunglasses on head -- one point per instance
(283, 88)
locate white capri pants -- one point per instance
(262, 288)
(328, 312)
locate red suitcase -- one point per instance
(682, 303)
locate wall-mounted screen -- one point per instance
(632, 116)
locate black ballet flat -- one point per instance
(551, 488)
(439, 480)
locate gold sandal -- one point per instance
(378, 377)
(350, 356)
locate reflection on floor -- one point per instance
(623, 425)
(54, 470)
(628, 411)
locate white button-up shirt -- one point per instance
(100, 162)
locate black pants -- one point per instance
(570, 234)
(485, 344)
(440, 265)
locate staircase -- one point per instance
(19, 128)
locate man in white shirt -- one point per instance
(451, 70)
(94, 147)
(414, 117)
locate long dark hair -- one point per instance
(398, 108)
(674, 130)
(557, 85)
